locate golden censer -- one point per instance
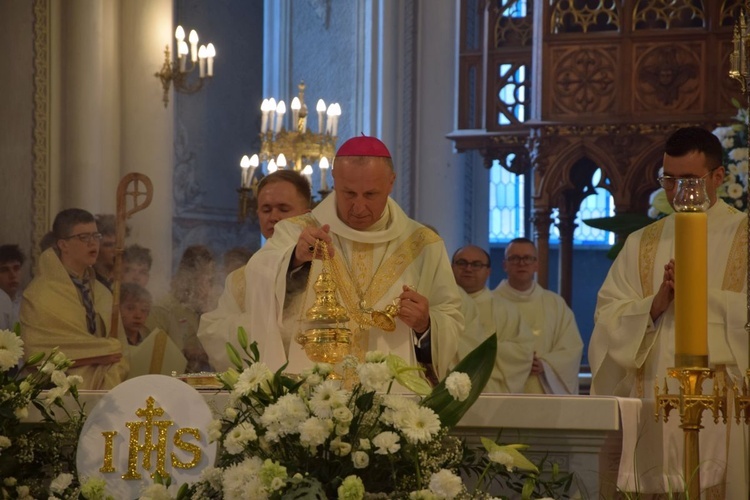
(326, 340)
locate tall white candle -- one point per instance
(202, 61)
(264, 116)
(193, 45)
(323, 165)
(245, 166)
(280, 112)
(296, 106)
(210, 54)
(321, 109)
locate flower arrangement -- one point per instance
(313, 437)
(33, 454)
(734, 141)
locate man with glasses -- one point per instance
(632, 344)
(65, 307)
(557, 343)
(471, 268)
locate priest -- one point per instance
(378, 257)
(633, 342)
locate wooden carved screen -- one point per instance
(609, 80)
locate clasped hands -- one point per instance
(665, 295)
(414, 308)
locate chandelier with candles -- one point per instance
(296, 147)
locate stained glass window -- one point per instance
(507, 202)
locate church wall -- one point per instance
(16, 110)
(215, 126)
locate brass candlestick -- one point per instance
(691, 403)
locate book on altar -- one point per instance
(156, 354)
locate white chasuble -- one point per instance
(629, 353)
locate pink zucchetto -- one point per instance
(364, 146)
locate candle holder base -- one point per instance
(742, 400)
(691, 360)
(691, 403)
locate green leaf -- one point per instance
(478, 365)
(364, 402)
(622, 224)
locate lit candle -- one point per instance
(280, 112)
(272, 167)
(307, 172)
(193, 45)
(281, 161)
(296, 106)
(202, 60)
(264, 109)
(323, 165)
(329, 118)
(245, 165)
(336, 114)
(321, 109)
(272, 116)
(690, 294)
(254, 162)
(182, 53)
(210, 54)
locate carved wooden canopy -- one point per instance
(603, 83)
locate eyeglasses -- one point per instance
(86, 237)
(517, 259)
(474, 264)
(668, 182)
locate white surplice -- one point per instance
(629, 353)
(368, 266)
(557, 341)
(487, 315)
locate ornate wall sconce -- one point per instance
(178, 71)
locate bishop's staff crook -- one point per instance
(129, 187)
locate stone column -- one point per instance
(147, 126)
(88, 119)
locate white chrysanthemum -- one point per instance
(11, 349)
(59, 378)
(211, 475)
(501, 457)
(738, 154)
(158, 492)
(445, 484)
(284, 417)
(314, 431)
(21, 413)
(420, 426)
(386, 443)
(397, 409)
(74, 380)
(252, 378)
(374, 376)
(360, 459)
(240, 479)
(239, 437)
(458, 385)
(340, 448)
(734, 190)
(214, 430)
(374, 357)
(61, 483)
(327, 396)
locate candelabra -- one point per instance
(177, 72)
(297, 146)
